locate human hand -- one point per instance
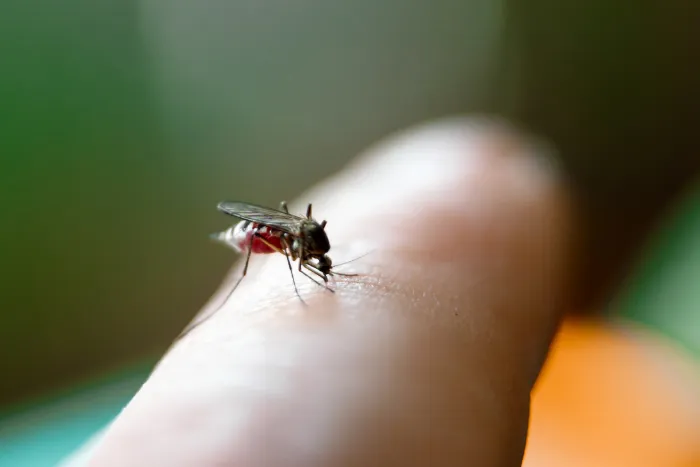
(426, 358)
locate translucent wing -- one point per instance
(266, 216)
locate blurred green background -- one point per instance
(124, 122)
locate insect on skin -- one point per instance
(265, 230)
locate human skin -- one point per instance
(427, 357)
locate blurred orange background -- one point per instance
(615, 396)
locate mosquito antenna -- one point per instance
(350, 261)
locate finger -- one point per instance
(428, 356)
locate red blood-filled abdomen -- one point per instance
(267, 241)
(272, 238)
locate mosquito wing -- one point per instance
(265, 216)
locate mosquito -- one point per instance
(265, 230)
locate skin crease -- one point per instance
(427, 358)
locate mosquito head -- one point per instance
(315, 239)
(324, 264)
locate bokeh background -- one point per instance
(123, 123)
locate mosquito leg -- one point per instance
(319, 274)
(245, 271)
(245, 267)
(343, 274)
(318, 283)
(291, 271)
(316, 271)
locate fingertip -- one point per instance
(445, 206)
(436, 179)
